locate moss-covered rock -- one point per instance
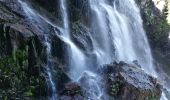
(72, 91)
(128, 81)
(15, 81)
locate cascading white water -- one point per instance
(116, 23)
(100, 37)
(66, 32)
(122, 18)
(49, 69)
(126, 31)
(116, 26)
(76, 57)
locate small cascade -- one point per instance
(120, 28)
(103, 47)
(77, 58)
(66, 29)
(49, 67)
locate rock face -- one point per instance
(129, 82)
(23, 50)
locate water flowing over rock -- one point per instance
(70, 45)
(72, 91)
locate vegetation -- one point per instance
(156, 24)
(15, 80)
(152, 97)
(115, 87)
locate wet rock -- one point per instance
(49, 5)
(17, 32)
(79, 9)
(71, 91)
(167, 93)
(77, 97)
(59, 46)
(129, 82)
(81, 36)
(61, 78)
(90, 84)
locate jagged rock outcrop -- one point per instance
(123, 82)
(129, 82)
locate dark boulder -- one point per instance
(129, 82)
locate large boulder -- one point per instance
(129, 82)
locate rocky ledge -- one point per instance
(123, 82)
(129, 82)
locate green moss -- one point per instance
(161, 30)
(76, 91)
(15, 81)
(115, 88)
(155, 23)
(152, 97)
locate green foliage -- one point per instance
(161, 29)
(14, 68)
(75, 91)
(29, 93)
(14, 78)
(152, 97)
(157, 23)
(115, 88)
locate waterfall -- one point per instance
(117, 34)
(76, 57)
(63, 8)
(52, 86)
(123, 20)
(120, 22)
